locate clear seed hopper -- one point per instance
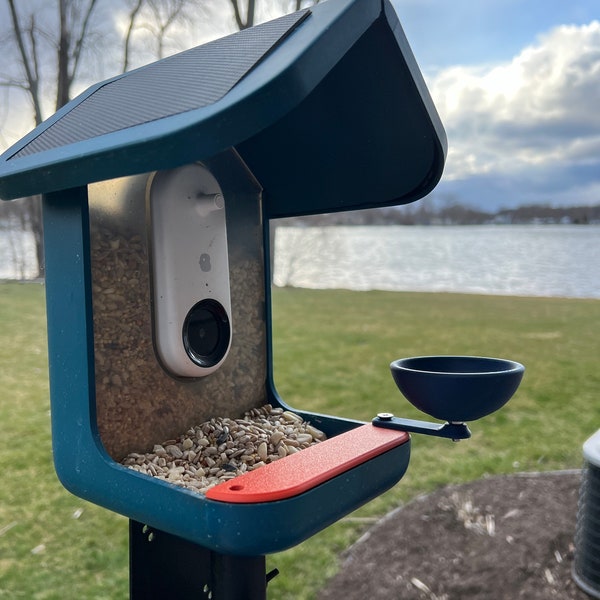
(158, 187)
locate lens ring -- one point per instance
(206, 333)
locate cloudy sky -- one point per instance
(516, 82)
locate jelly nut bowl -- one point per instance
(457, 388)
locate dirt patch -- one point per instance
(498, 538)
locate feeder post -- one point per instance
(237, 577)
(162, 565)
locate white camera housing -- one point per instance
(190, 270)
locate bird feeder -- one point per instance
(158, 187)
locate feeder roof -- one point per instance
(326, 106)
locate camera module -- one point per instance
(206, 333)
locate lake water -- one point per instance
(17, 254)
(524, 260)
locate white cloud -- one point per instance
(538, 110)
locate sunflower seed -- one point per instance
(262, 436)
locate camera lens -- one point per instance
(206, 333)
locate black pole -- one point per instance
(239, 577)
(162, 565)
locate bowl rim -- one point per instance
(512, 366)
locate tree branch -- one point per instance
(13, 83)
(250, 13)
(238, 16)
(32, 80)
(34, 51)
(171, 18)
(132, 16)
(62, 59)
(164, 14)
(80, 41)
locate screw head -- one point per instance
(385, 416)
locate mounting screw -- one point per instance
(385, 416)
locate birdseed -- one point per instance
(220, 449)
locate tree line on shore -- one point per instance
(424, 213)
(18, 216)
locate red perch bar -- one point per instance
(304, 470)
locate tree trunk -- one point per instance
(29, 62)
(251, 9)
(63, 83)
(35, 215)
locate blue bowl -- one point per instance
(457, 388)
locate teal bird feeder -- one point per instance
(158, 188)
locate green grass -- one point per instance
(332, 354)
(52, 545)
(332, 350)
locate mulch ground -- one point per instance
(498, 538)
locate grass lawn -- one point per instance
(332, 350)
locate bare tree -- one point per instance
(67, 34)
(245, 10)
(250, 13)
(74, 23)
(49, 51)
(133, 13)
(30, 39)
(157, 18)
